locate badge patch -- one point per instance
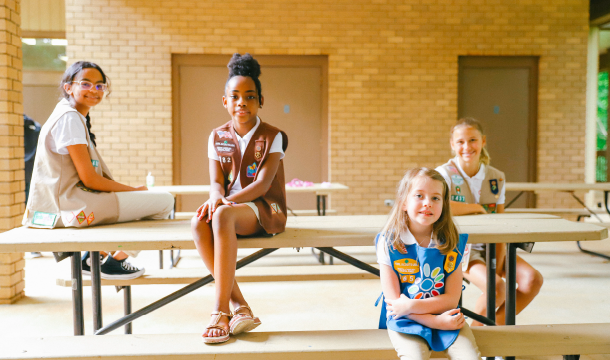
(493, 185)
(457, 180)
(406, 267)
(458, 198)
(452, 169)
(258, 155)
(223, 149)
(230, 177)
(90, 219)
(490, 208)
(450, 261)
(258, 148)
(72, 218)
(225, 134)
(275, 208)
(251, 172)
(458, 190)
(81, 217)
(429, 284)
(95, 163)
(225, 159)
(44, 219)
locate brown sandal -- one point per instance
(243, 322)
(214, 325)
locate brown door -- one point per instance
(500, 92)
(294, 92)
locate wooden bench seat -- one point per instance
(246, 274)
(566, 211)
(518, 340)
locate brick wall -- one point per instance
(12, 184)
(392, 76)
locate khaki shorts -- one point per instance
(477, 255)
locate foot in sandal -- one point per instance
(218, 329)
(243, 320)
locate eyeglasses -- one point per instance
(88, 85)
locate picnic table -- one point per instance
(323, 233)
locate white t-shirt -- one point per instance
(475, 183)
(68, 130)
(276, 147)
(383, 255)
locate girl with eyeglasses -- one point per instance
(71, 185)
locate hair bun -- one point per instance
(244, 65)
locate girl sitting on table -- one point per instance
(419, 252)
(247, 194)
(72, 186)
(478, 188)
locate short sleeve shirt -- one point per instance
(68, 130)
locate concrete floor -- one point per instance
(576, 290)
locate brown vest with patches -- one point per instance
(490, 189)
(272, 205)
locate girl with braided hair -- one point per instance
(247, 194)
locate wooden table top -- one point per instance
(323, 231)
(318, 189)
(543, 187)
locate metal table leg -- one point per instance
(96, 289)
(490, 259)
(511, 287)
(598, 218)
(127, 307)
(178, 294)
(77, 294)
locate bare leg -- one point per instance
(217, 246)
(477, 275)
(529, 281)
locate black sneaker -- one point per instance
(119, 269)
(86, 263)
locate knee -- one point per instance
(500, 291)
(531, 282)
(168, 199)
(223, 217)
(198, 227)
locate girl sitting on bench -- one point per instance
(419, 252)
(72, 186)
(478, 188)
(247, 195)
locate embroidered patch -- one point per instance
(458, 198)
(230, 177)
(450, 260)
(90, 219)
(258, 148)
(224, 149)
(429, 284)
(258, 155)
(452, 169)
(457, 180)
(275, 208)
(225, 134)
(44, 219)
(493, 185)
(458, 190)
(225, 159)
(95, 163)
(407, 268)
(81, 217)
(72, 218)
(251, 170)
(490, 208)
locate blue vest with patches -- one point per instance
(422, 273)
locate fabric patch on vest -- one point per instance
(450, 261)
(224, 147)
(407, 268)
(90, 219)
(251, 172)
(458, 190)
(259, 147)
(457, 180)
(428, 284)
(81, 217)
(275, 208)
(490, 208)
(225, 159)
(95, 163)
(44, 219)
(493, 185)
(224, 134)
(230, 177)
(458, 198)
(452, 169)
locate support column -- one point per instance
(12, 175)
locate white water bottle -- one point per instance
(150, 180)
